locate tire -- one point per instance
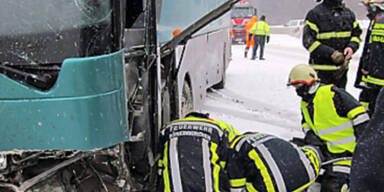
(186, 99)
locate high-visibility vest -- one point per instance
(260, 28)
(336, 131)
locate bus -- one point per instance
(87, 85)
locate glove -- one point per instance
(312, 139)
(267, 39)
(337, 57)
(344, 67)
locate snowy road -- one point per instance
(256, 98)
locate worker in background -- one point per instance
(194, 151)
(332, 120)
(260, 34)
(373, 69)
(367, 172)
(331, 34)
(265, 163)
(366, 93)
(248, 38)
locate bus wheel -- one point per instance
(186, 100)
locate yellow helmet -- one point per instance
(302, 73)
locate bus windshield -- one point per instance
(242, 12)
(48, 31)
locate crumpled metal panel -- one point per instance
(85, 110)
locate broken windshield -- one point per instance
(49, 31)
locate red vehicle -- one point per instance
(241, 14)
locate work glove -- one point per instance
(343, 68)
(267, 39)
(337, 57)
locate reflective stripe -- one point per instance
(307, 164)
(266, 138)
(378, 32)
(341, 169)
(274, 168)
(167, 186)
(198, 123)
(355, 24)
(373, 80)
(236, 189)
(251, 188)
(356, 111)
(325, 67)
(360, 119)
(355, 39)
(345, 188)
(216, 167)
(378, 25)
(329, 35)
(314, 46)
(263, 170)
(207, 166)
(175, 166)
(342, 141)
(312, 26)
(335, 129)
(238, 182)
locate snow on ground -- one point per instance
(256, 98)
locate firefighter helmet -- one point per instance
(374, 4)
(304, 78)
(302, 73)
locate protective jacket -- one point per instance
(375, 64)
(260, 28)
(328, 28)
(265, 163)
(193, 152)
(367, 172)
(337, 119)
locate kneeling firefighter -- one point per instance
(332, 120)
(194, 151)
(265, 163)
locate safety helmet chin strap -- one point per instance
(313, 88)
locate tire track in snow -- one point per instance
(231, 103)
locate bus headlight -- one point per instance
(3, 161)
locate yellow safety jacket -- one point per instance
(337, 132)
(260, 28)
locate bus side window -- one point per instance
(134, 14)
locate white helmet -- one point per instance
(374, 4)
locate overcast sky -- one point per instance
(280, 11)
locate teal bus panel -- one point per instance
(85, 110)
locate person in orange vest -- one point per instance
(248, 39)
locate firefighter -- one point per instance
(331, 35)
(366, 92)
(332, 120)
(248, 38)
(265, 163)
(260, 34)
(367, 172)
(373, 70)
(194, 151)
